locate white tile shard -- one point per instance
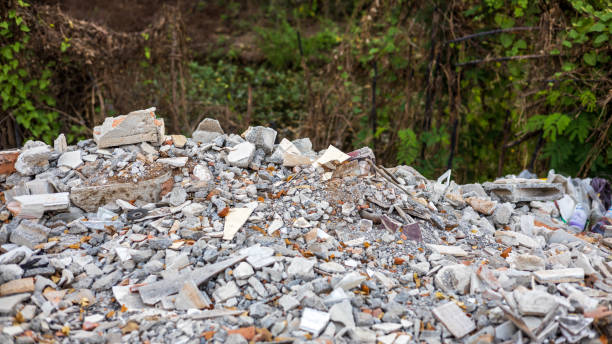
(234, 220)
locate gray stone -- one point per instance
(59, 144)
(29, 234)
(177, 196)
(502, 213)
(107, 281)
(262, 137)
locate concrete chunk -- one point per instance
(135, 127)
(534, 302)
(208, 130)
(262, 137)
(448, 250)
(241, 154)
(517, 191)
(34, 160)
(90, 198)
(174, 162)
(559, 275)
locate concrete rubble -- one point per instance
(139, 236)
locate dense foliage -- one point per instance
(483, 87)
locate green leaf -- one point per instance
(568, 67)
(520, 44)
(409, 147)
(597, 27)
(590, 58)
(505, 39)
(600, 38)
(567, 43)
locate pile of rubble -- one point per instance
(136, 236)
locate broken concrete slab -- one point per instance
(208, 130)
(454, 319)
(70, 159)
(174, 162)
(448, 250)
(559, 275)
(89, 198)
(34, 206)
(135, 127)
(510, 190)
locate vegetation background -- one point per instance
(483, 87)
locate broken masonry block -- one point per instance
(7, 161)
(513, 191)
(89, 198)
(135, 127)
(34, 206)
(208, 130)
